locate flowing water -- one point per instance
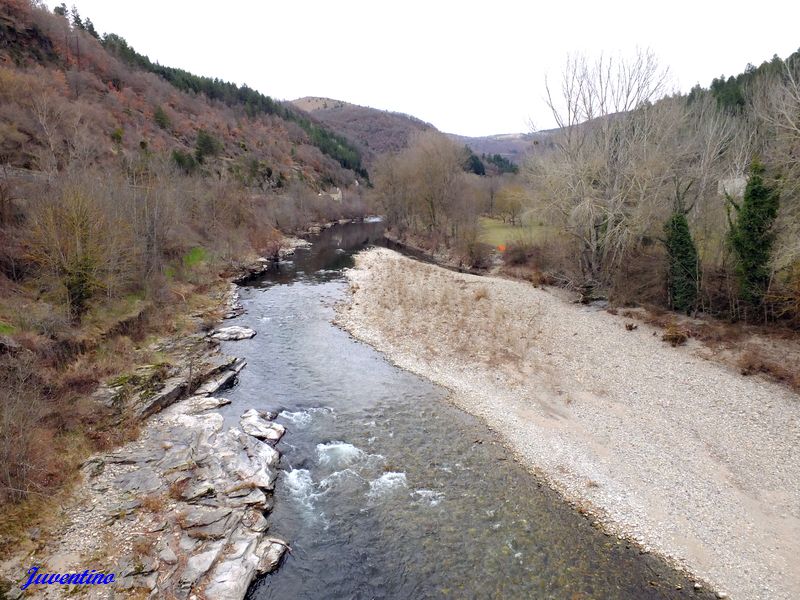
(386, 490)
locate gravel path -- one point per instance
(683, 455)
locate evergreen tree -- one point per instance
(474, 164)
(61, 10)
(184, 161)
(751, 236)
(683, 274)
(207, 145)
(89, 26)
(161, 118)
(76, 19)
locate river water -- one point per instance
(388, 491)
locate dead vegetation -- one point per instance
(470, 323)
(753, 360)
(154, 503)
(752, 349)
(675, 334)
(107, 242)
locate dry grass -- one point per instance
(768, 351)
(176, 488)
(675, 334)
(469, 321)
(754, 361)
(154, 503)
(49, 423)
(142, 546)
(528, 273)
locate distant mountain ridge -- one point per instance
(377, 131)
(511, 146)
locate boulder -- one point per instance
(233, 333)
(168, 556)
(256, 424)
(150, 404)
(270, 551)
(199, 564)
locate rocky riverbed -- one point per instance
(181, 511)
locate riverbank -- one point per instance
(179, 510)
(682, 455)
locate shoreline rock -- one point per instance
(233, 333)
(183, 506)
(180, 511)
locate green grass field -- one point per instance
(495, 232)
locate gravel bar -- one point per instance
(682, 455)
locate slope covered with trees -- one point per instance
(121, 100)
(631, 163)
(127, 189)
(375, 131)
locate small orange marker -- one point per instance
(502, 247)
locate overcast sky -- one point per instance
(474, 68)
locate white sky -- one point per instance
(473, 68)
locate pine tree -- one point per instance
(751, 236)
(89, 26)
(161, 118)
(683, 275)
(76, 18)
(207, 145)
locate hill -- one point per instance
(378, 131)
(375, 131)
(67, 93)
(130, 192)
(511, 146)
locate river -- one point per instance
(388, 491)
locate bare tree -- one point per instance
(775, 100)
(622, 149)
(600, 165)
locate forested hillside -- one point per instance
(375, 131)
(127, 190)
(512, 147)
(104, 99)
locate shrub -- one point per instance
(675, 334)
(481, 293)
(23, 443)
(184, 161)
(753, 361)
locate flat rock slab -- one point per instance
(233, 333)
(200, 404)
(143, 480)
(225, 380)
(196, 491)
